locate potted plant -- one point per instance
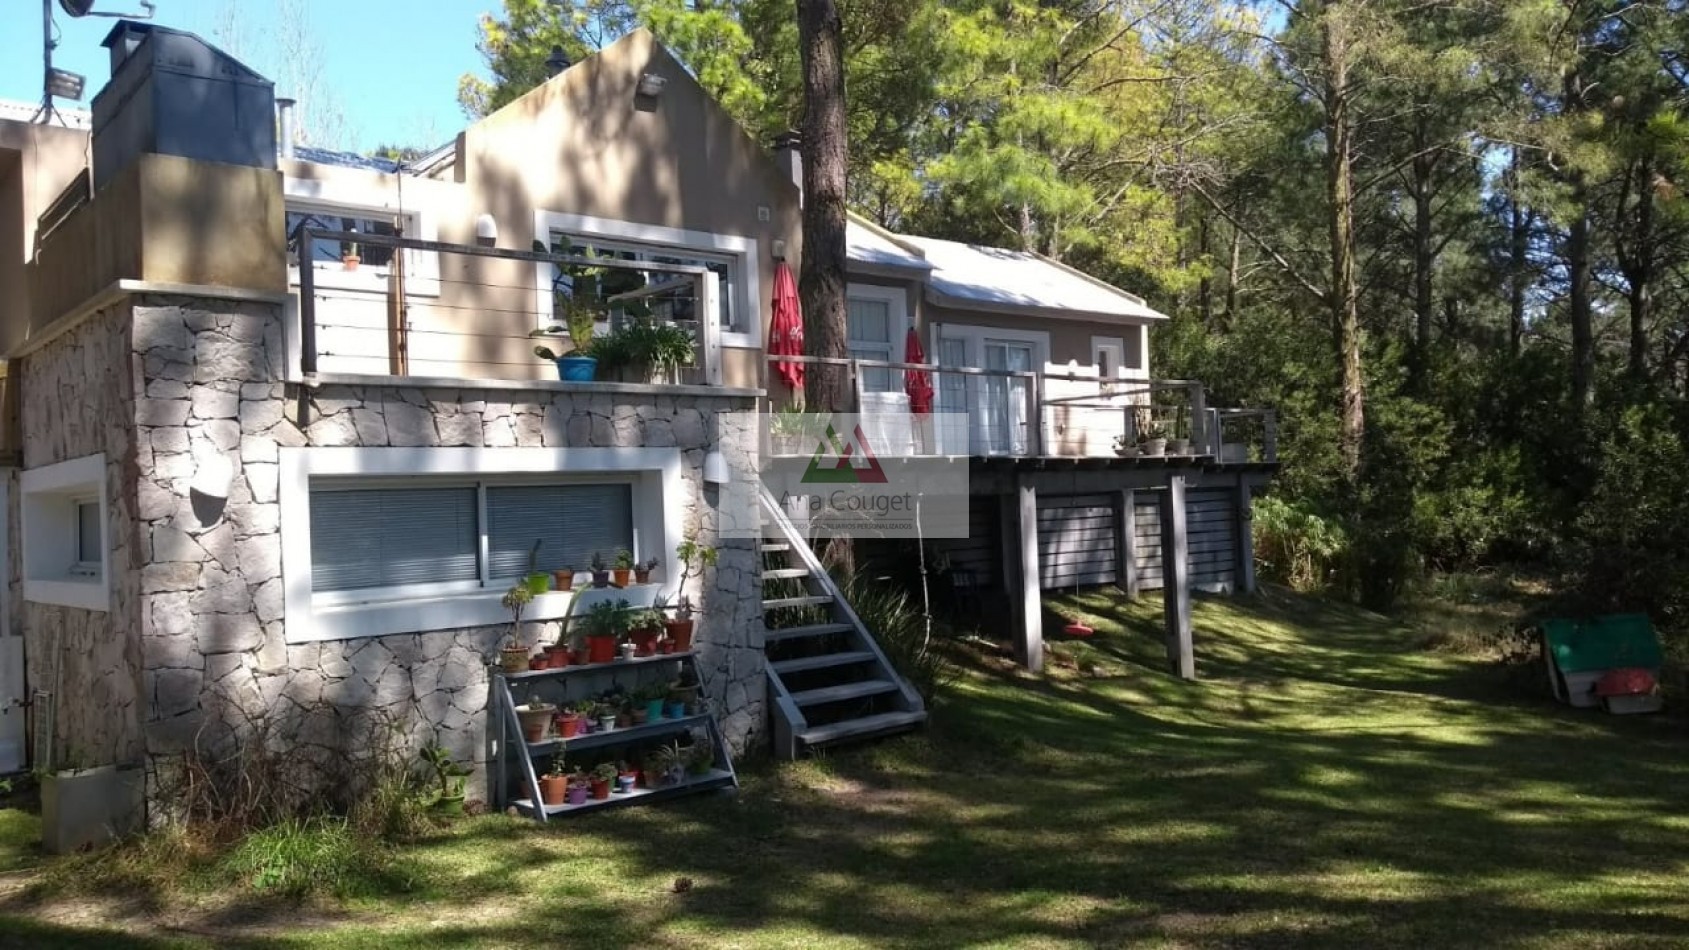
(694, 559)
(576, 364)
(684, 693)
(606, 716)
(642, 570)
(554, 784)
(624, 567)
(569, 721)
(1177, 445)
(349, 256)
(644, 627)
(538, 581)
(670, 761)
(626, 777)
(450, 774)
(600, 571)
(785, 430)
(605, 624)
(651, 699)
(563, 579)
(539, 661)
(700, 758)
(644, 350)
(578, 787)
(1152, 440)
(600, 777)
(650, 772)
(513, 657)
(536, 718)
(1124, 447)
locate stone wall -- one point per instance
(79, 400)
(214, 630)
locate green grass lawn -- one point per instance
(1329, 782)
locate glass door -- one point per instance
(1005, 411)
(952, 401)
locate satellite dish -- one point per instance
(77, 7)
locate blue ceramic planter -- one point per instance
(577, 369)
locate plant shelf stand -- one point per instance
(513, 752)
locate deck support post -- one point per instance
(1176, 576)
(1020, 573)
(1126, 543)
(1245, 539)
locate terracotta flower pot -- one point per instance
(553, 789)
(641, 716)
(600, 790)
(620, 576)
(600, 649)
(350, 261)
(565, 580)
(569, 725)
(653, 778)
(535, 721)
(645, 641)
(541, 662)
(641, 577)
(680, 633)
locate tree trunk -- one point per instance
(1519, 237)
(1578, 302)
(1205, 286)
(1424, 259)
(1639, 271)
(1343, 293)
(821, 284)
(1234, 269)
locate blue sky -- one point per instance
(391, 67)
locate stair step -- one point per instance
(774, 547)
(844, 691)
(815, 600)
(785, 573)
(861, 728)
(783, 667)
(813, 630)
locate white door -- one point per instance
(1006, 411)
(953, 401)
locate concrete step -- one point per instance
(813, 630)
(825, 661)
(866, 727)
(815, 600)
(843, 691)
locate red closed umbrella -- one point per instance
(786, 336)
(916, 382)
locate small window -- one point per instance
(331, 254)
(90, 547)
(392, 537)
(570, 522)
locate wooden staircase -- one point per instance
(827, 678)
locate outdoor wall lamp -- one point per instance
(486, 230)
(651, 85)
(213, 475)
(715, 468)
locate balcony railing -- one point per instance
(1026, 414)
(414, 308)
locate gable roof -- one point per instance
(978, 277)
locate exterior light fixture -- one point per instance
(486, 230)
(65, 84)
(556, 62)
(214, 475)
(651, 85)
(715, 468)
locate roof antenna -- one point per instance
(63, 83)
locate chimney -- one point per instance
(556, 62)
(284, 118)
(787, 154)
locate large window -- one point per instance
(405, 540)
(376, 537)
(670, 296)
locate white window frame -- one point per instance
(323, 196)
(658, 507)
(897, 318)
(52, 570)
(742, 253)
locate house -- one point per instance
(254, 480)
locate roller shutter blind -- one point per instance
(386, 537)
(571, 522)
